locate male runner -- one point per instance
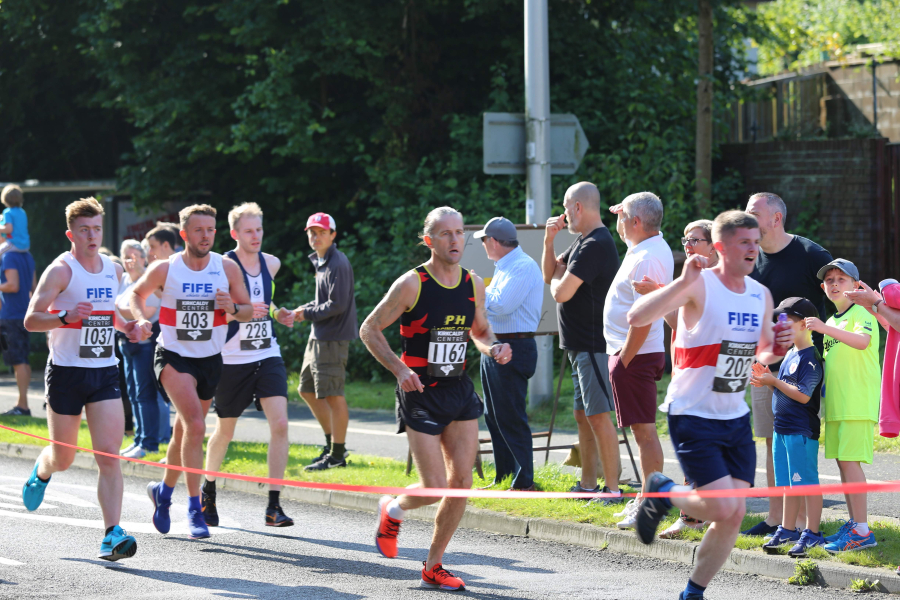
(724, 321)
(75, 303)
(199, 288)
(255, 370)
(440, 306)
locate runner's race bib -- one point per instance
(447, 352)
(96, 337)
(733, 366)
(257, 334)
(194, 320)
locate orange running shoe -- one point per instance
(439, 577)
(388, 528)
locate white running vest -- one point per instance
(711, 362)
(254, 340)
(189, 324)
(89, 342)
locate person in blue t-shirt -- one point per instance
(795, 404)
(13, 221)
(17, 282)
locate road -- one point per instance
(374, 433)
(51, 553)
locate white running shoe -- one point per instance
(630, 516)
(629, 507)
(675, 529)
(136, 452)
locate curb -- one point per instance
(743, 561)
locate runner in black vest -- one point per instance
(440, 306)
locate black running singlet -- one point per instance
(434, 332)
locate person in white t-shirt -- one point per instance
(637, 355)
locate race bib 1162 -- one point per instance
(447, 352)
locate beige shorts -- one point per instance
(324, 368)
(763, 418)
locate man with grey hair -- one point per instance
(637, 355)
(788, 265)
(579, 280)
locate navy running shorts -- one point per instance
(68, 389)
(243, 385)
(435, 408)
(206, 371)
(710, 449)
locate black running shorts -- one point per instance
(68, 389)
(435, 408)
(243, 385)
(207, 370)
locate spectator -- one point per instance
(637, 355)
(796, 440)
(513, 305)
(17, 282)
(162, 241)
(579, 280)
(851, 393)
(137, 360)
(787, 264)
(14, 221)
(334, 326)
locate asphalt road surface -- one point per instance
(374, 433)
(51, 553)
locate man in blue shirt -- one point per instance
(17, 282)
(512, 301)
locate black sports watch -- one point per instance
(62, 316)
(236, 309)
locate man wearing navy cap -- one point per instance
(334, 326)
(513, 305)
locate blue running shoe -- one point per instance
(762, 529)
(197, 525)
(117, 544)
(808, 539)
(847, 526)
(33, 490)
(782, 536)
(852, 541)
(161, 519)
(683, 596)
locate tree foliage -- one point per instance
(372, 110)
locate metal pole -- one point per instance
(537, 153)
(874, 94)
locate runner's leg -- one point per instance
(275, 408)
(217, 446)
(55, 458)
(726, 515)
(429, 459)
(182, 390)
(459, 443)
(173, 453)
(106, 420)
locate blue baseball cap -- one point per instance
(499, 228)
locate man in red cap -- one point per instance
(334, 326)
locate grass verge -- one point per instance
(248, 458)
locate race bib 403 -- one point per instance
(447, 352)
(194, 320)
(733, 366)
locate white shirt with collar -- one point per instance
(514, 297)
(652, 258)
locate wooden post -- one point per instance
(704, 108)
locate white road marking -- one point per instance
(9, 562)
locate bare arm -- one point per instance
(236, 296)
(482, 335)
(54, 280)
(886, 316)
(859, 341)
(399, 298)
(12, 282)
(687, 289)
(548, 255)
(634, 339)
(762, 376)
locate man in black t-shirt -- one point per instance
(788, 265)
(579, 279)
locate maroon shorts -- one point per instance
(634, 388)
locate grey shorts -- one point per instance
(592, 395)
(15, 341)
(324, 368)
(763, 418)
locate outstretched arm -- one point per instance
(53, 282)
(399, 298)
(658, 304)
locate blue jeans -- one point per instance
(138, 359)
(505, 388)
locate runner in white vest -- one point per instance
(75, 304)
(255, 372)
(199, 288)
(724, 322)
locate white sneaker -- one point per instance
(136, 452)
(629, 507)
(124, 451)
(630, 517)
(675, 529)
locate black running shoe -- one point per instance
(652, 510)
(17, 411)
(328, 462)
(275, 517)
(208, 506)
(326, 450)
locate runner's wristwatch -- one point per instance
(62, 316)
